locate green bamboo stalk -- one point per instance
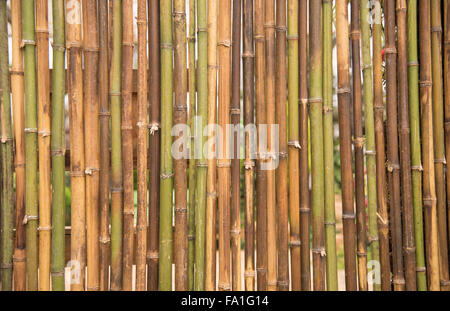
(328, 148)
(57, 148)
(28, 35)
(7, 199)
(370, 134)
(202, 111)
(165, 221)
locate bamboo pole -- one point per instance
(166, 183)
(416, 161)
(28, 42)
(17, 89)
(223, 160)
(141, 226)
(282, 171)
(7, 197)
(201, 170)
(235, 113)
(249, 163)
(372, 237)
(348, 215)
(77, 156)
(383, 220)
(429, 191)
(261, 178)
(305, 209)
(154, 90)
(180, 162)
(269, 36)
(211, 195)
(328, 149)
(91, 132)
(294, 145)
(447, 95)
(316, 116)
(405, 149)
(127, 144)
(104, 118)
(116, 143)
(438, 140)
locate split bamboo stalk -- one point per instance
(372, 237)
(180, 162)
(77, 156)
(7, 158)
(282, 170)
(393, 166)
(416, 161)
(127, 144)
(405, 149)
(192, 161)
(223, 160)
(17, 89)
(154, 91)
(447, 94)
(91, 132)
(438, 140)
(328, 148)
(303, 168)
(104, 118)
(116, 144)
(358, 147)
(211, 194)
(249, 163)
(235, 113)
(31, 199)
(141, 226)
(294, 145)
(269, 37)
(261, 176)
(383, 220)
(201, 170)
(429, 191)
(348, 214)
(166, 183)
(317, 165)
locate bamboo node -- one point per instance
(30, 130)
(104, 240)
(116, 189)
(295, 243)
(413, 64)
(211, 194)
(370, 152)
(181, 14)
(372, 239)
(57, 152)
(348, 215)
(397, 280)
(261, 270)
(392, 166)
(166, 175)
(91, 170)
(191, 237)
(249, 273)
(16, 72)
(93, 288)
(425, 83)
(358, 142)
(330, 223)
(154, 127)
(436, 29)
(104, 113)
(141, 228)
(224, 287)
(291, 37)
(235, 111)
(319, 250)
(305, 210)
(421, 269)
(223, 164)
(248, 55)
(44, 228)
(316, 100)
(153, 254)
(269, 25)
(235, 232)
(5, 265)
(141, 21)
(365, 67)
(27, 42)
(303, 101)
(409, 250)
(248, 165)
(417, 168)
(168, 46)
(126, 43)
(428, 201)
(295, 144)
(202, 29)
(28, 218)
(44, 133)
(445, 282)
(77, 174)
(4, 139)
(141, 124)
(16, 165)
(258, 38)
(126, 127)
(327, 109)
(282, 284)
(281, 28)
(390, 50)
(212, 66)
(128, 212)
(58, 47)
(19, 259)
(191, 39)
(282, 155)
(381, 219)
(180, 108)
(355, 34)
(343, 90)
(115, 93)
(225, 43)
(441, 160)
(91, 49)
(361, 254)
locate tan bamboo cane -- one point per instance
(235, 113)
(269, 36)
(343, 91)
(223, 159)
(429, 190)
(261, 178)
(249, 163)
(282, 173)
(303, 169)
(141, 226)
(405, 149)
(43, 84)
(180, 162)
(447, 95)
(77, 160)
(358, 147)
(154, 90)
(17, 89)
(211, 194)
(104, 116)
(91, 132)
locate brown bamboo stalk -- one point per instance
(154, 89)
(282, 173)
(223, 159)
(447, 96)
(405, 149)
(429, 190)
(141, 226)
(235, 112)
(343, 91)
